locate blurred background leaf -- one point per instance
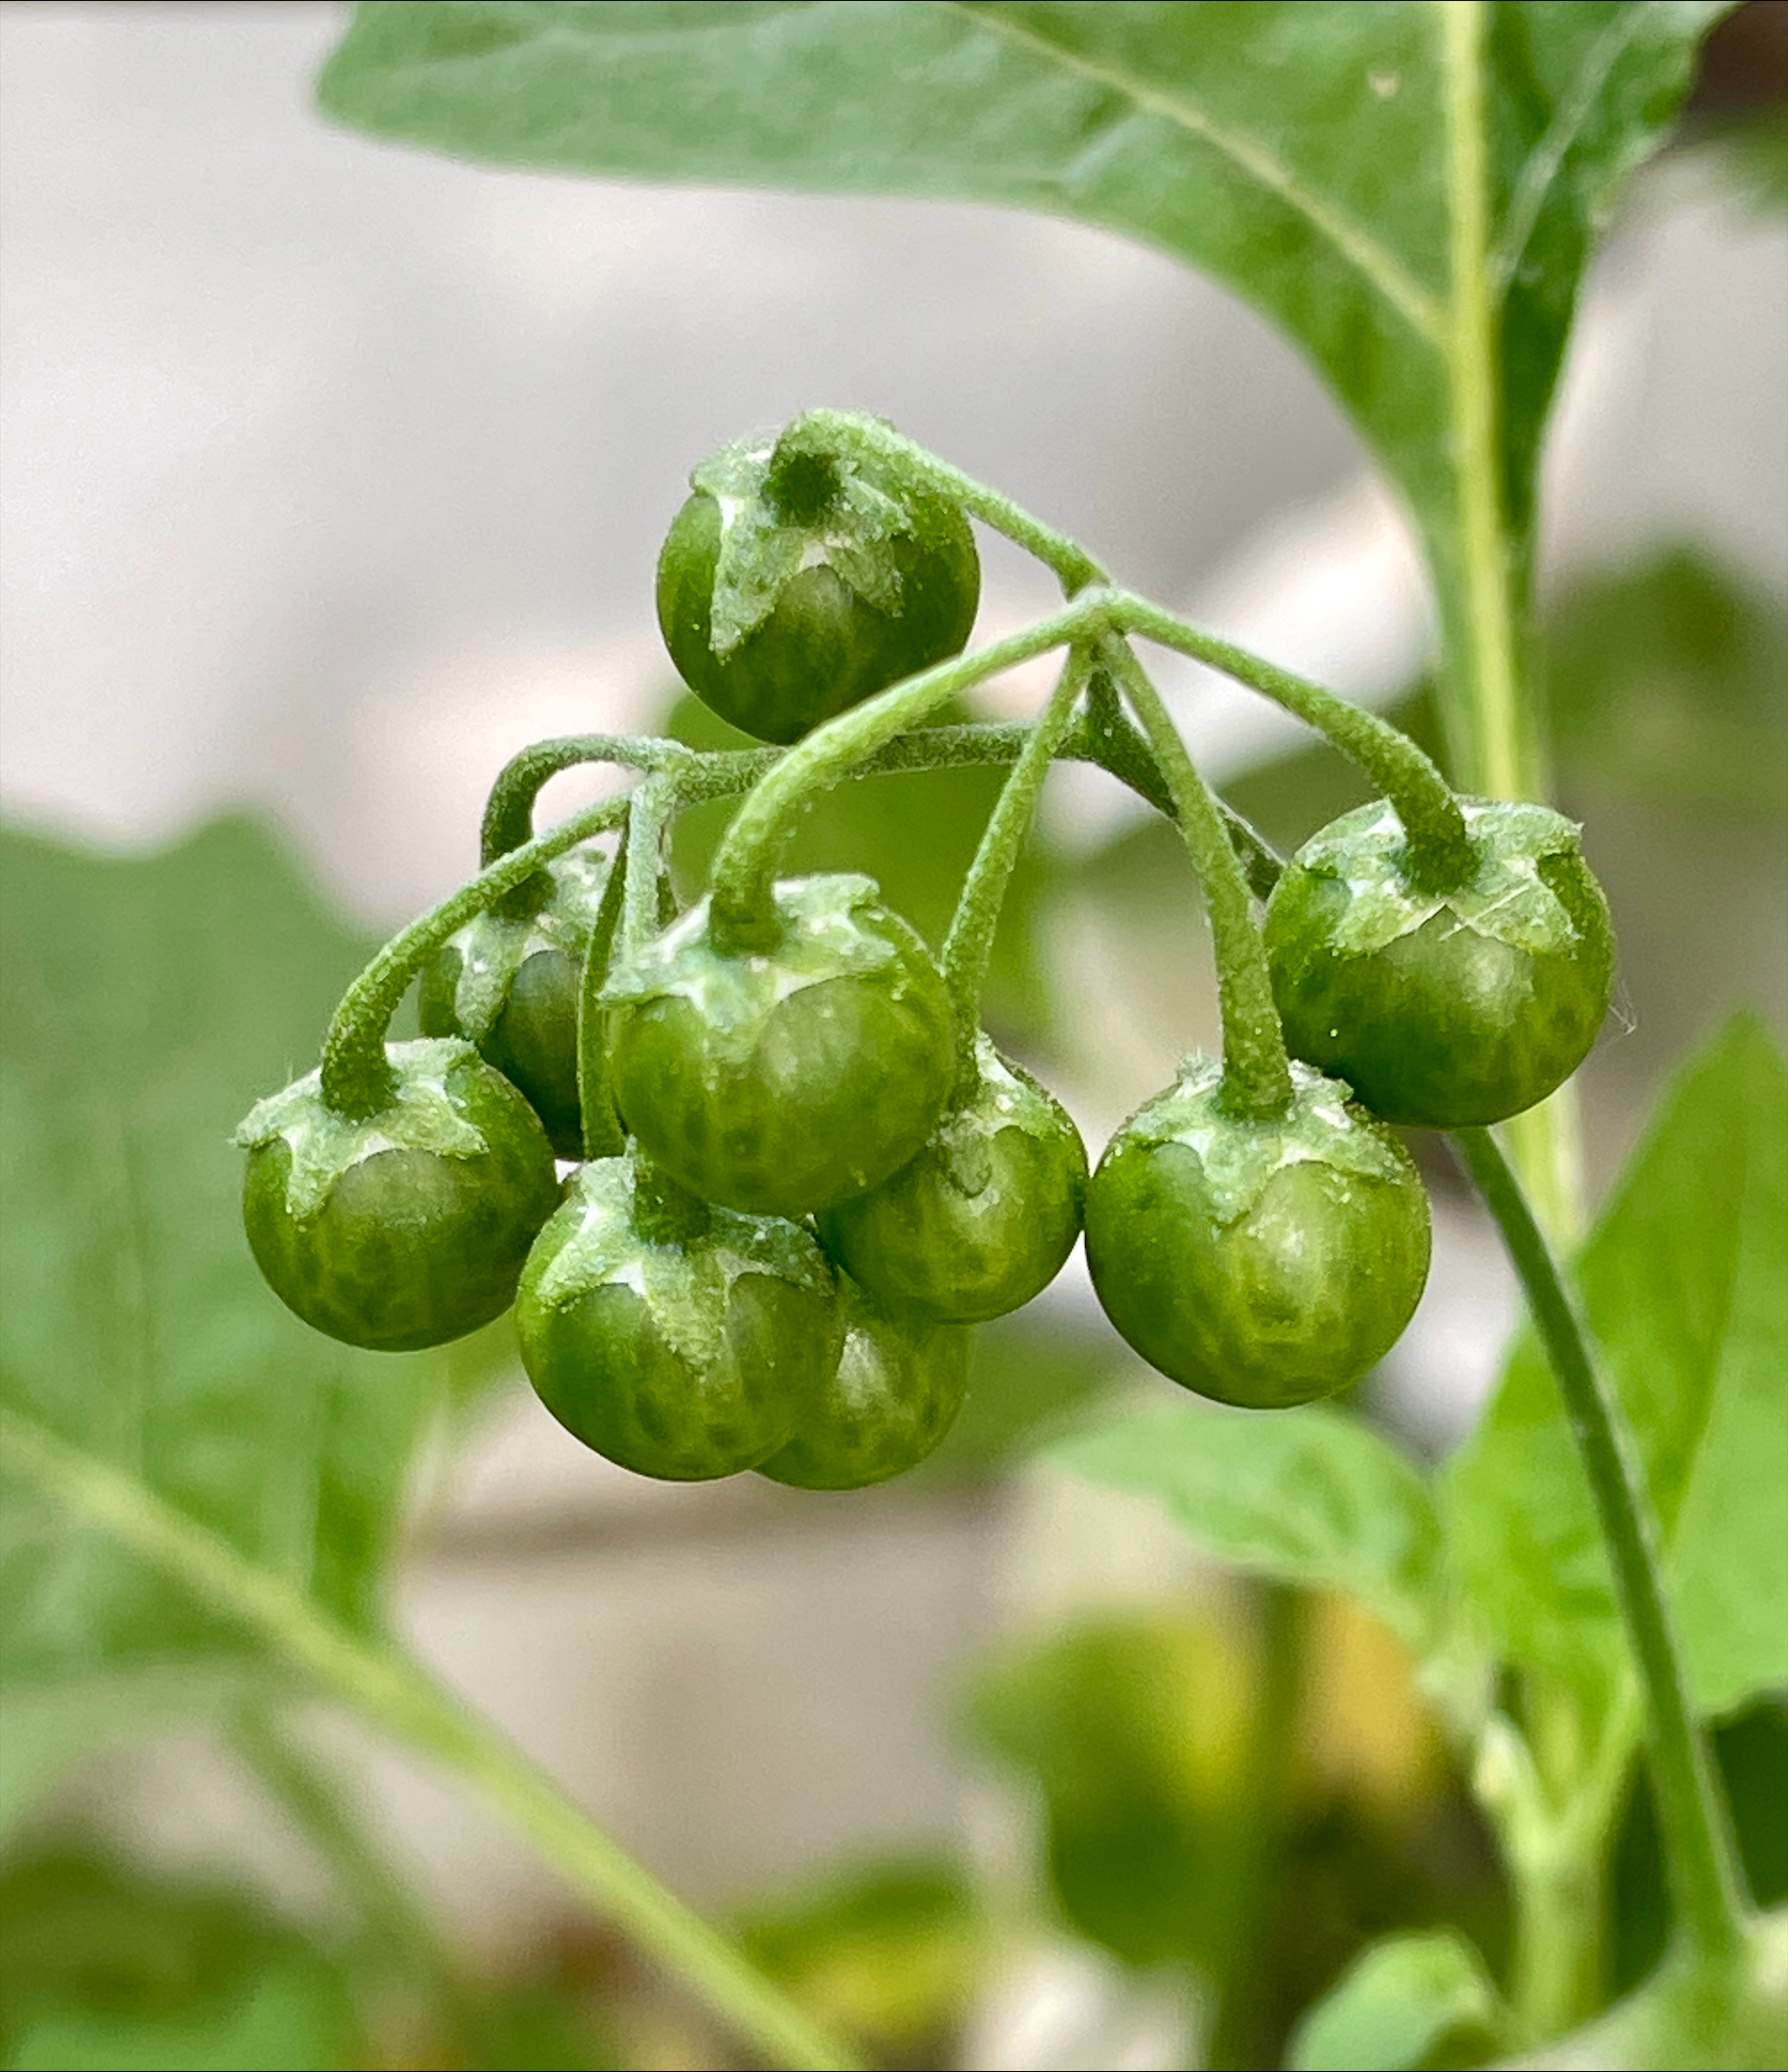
(1135, 1732)
(1752, 1751)
(149, 1000)
(1668, 679)
(1312, 1497)
(1248, 1789)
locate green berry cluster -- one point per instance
(802, 1172)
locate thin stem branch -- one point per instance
(652, 804)
(744, 908)
(1440, 850)
(845, 431)
(384, 1685)
(1257, 1074)
(598, 1124)
(969, 943)
(509, 810)
(1108, 736)
(1692, 1814)
(356, 1077)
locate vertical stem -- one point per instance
(1691, 1814)
(385, 1686)
(1504, 759)
(1257, 1076)
(970, 944)
(1555, 1974)
(1496, 742)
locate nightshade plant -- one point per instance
(798, 1152)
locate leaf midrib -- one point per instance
(1379, 266)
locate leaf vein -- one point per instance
(1364, 251)
(1553, 147)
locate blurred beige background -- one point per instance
(332, 474)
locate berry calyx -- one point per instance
(793, 585)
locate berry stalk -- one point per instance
(744, 907)
(1258, 1079)
(969, 943)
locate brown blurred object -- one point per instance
(1744, 64)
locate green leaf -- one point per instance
(1400, 2004)
(1311, 1497)
(148, 1000)
(1682, 1288)
(1303, 151)
(288, 2017)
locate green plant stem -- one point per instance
(1440, 856)
(846, 432)
(744, 904)
(1493, 728)
(1107, 737)
(970, 944)
(597, 1123)
(1497, 748)
(1441, 853)
(1556, 1967)
(356, 1077)
(652, 805)
(509, 810)
(1257, 1076)
(384, 1685)
(1691, 1814)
